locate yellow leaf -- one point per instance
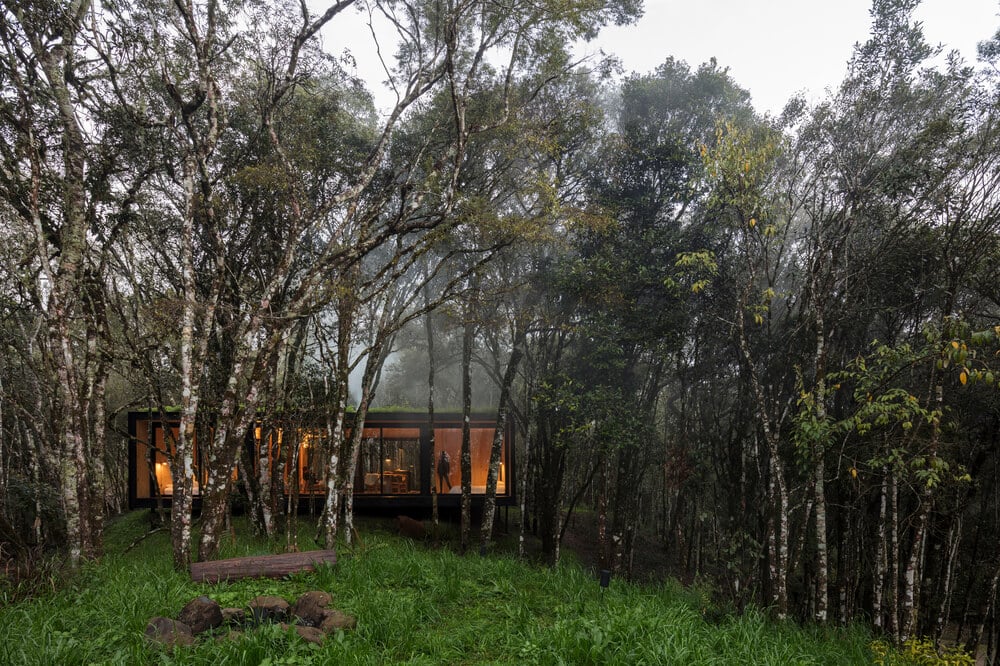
(963, 378)
(954, 344)
(854, 473)
(753, 222)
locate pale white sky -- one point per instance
(773, 48)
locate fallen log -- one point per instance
(260, 566)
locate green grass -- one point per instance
(414, 605)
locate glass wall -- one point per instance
(393, 458)
(448, 442)
(312, 463)
(154, 445)
(389, 462)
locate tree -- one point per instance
(63, 181)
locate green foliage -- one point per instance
(884, 405)
(919, 652)
(740, 165)
(972, 354)
(413, 606)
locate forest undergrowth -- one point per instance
(416, 603)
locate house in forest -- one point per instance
(394, 464)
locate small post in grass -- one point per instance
(605, 581)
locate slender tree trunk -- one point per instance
(914, 567)
(182, 458)
(894, 619)
(524, 467)
(881, 560)
(954, 538)
(230, 437)
(778, 534)
(35, 447)
(266, 455)
(989, 603)
(819, 468)
(331, 506)
(605, 554)
(912, 574)
(822, 564)
(346, 316)
(292, 505)
(489, 502)
(4, 440)
(431, 365)
(351, 466)
(466, 455)
(369, 382)
(98, 473)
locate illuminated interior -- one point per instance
(448, 443)
(394, 459)
(153, 476)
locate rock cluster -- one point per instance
(309, 617)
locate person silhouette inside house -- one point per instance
(444, 471)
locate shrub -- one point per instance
(920, 652)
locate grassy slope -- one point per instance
(414, 605)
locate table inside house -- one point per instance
(396, 482)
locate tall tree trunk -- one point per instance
(605, 554)
(778, 521)
(914, 568)
(881, 559)
(377, 353)
(489, 501)
(894, 619)
(431, 425)
(524, 468)
(468, 333)
(235, 423)
(59, 285)
(954, 539)
(331, 506)
(182, 458)
(98, 434)
(267, 453)
(819, 466)
(292, 505)
(334, 464)
(988, 606)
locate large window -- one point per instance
(389, 462)
(393, 458)
(154, 446)
(312, 463)
(448, 442)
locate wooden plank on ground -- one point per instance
(260, 566)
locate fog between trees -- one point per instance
(769, 346)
